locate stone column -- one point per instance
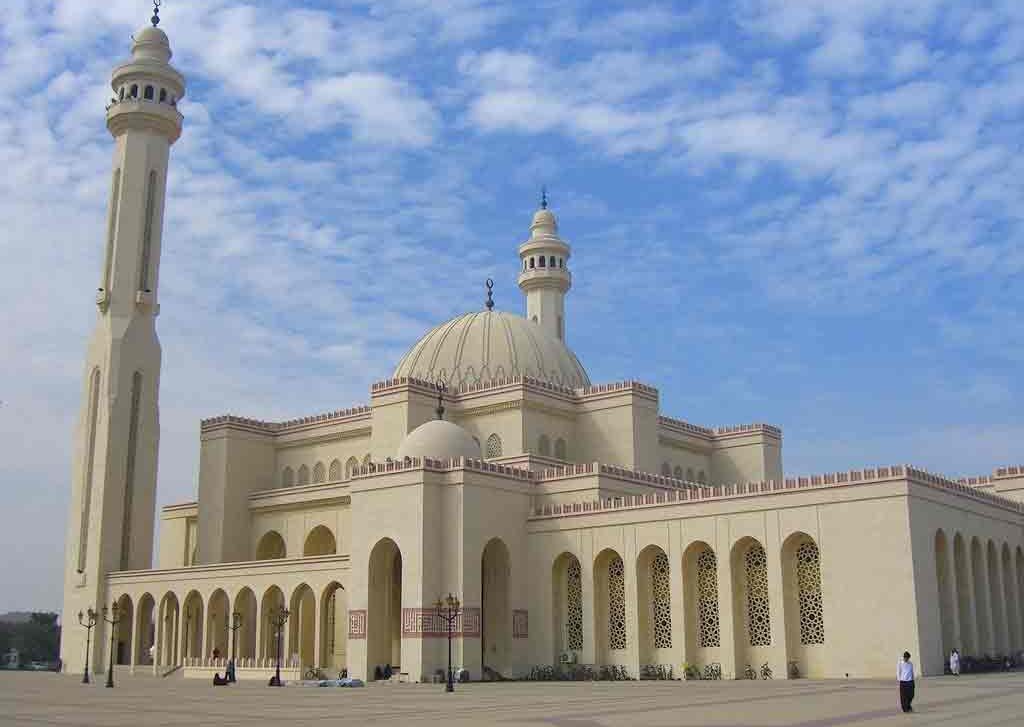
(633, 607)
(135, 633)
(777, 603)
(159, 635)
(589, 654)
(725, 606)
(318, 618)
(678, 611)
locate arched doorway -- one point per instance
(654, 607)
(270, 606)
(803, 604)
(946, 593)
(384, 612)
(192, 636)
(245, 637)
(302, 627)
(320, 541)
(981, 610)
(334, 627)
(995, 599)
(1010, 601)
(752, 628)
(567, 606)
(610, 608)
(218, 625)
(146, 630)
(123, 630)
(495, 621)
(167, 644)
(968, 643)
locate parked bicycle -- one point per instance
(749, 672)
(314, 673)
(713, 671)
(766, 671)
(794, 670)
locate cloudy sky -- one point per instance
(804, 212)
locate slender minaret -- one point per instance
(544, 278)
(114, 466)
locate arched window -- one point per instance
(560, 449)
(709, 633)
(689, 474)
(561, 262)
(758, 613)
(134, 92)
(493, 446)
(270, 547)
(666, 469)
(320, 541)
(163, 95)
(677, 472)
(148, 93)
(616, 603)
(531, 263)
(319, 473)
(551, 262)
(129, 477)
(287, 477)
(524, 264)
(351, 467)
(366, 461)
(334, 473)
(808, 580)
(543, 261)
(544, 446)
(147, 233)
(303, 478)
(120, 94)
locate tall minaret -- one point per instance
(545, 277)
(114, 465)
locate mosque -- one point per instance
(576, 522)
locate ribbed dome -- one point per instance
(479, 347)
(439, 439)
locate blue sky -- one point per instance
(803, 212)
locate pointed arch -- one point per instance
(192, 633)
(218, 624)
(384, 606)
(302, 627)
(964, 596)
(981, 605)
(700, 588)
(320, 541)
(610, 607)
(334, 472)
(245, 638)
(351, 468)
(494, 448)
(271, 546)
(946, 596)
(654, 606)
(123, 630)
(803, 603)
(271, 640)
(567, 590)
(169, 625)
(561, 450)
(334, 627)
(544, 446)
(1010, 603)
(319, 473)
(145, 628)
(287, 477)
(303, 476)
(751, 605)
(129, 477)
(495, 599)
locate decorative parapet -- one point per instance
(553, 474)
(708, 433)
(525, 381)
(443, 465)
(1003, 473)
(686, 427)
(704, 493)
(981, 480)
(280, 427)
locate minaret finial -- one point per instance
(440, 398)
(544, 196)
(156, 13)
(490, 294)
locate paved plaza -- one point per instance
(50, 699)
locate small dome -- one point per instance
(544, 220)
(477, 348)
(151, 43)
(439, 439)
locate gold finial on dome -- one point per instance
(543, 196)
(156, 13)
(489, 303)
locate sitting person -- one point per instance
(218, 680)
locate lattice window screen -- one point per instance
(661, 602)
(574, 606)
(758, 615)
(808, 578)
(616, 604)
(707, 599)
(493, 446)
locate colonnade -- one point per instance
(980, 595)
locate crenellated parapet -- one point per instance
(333, 417)
(556, 474)
(1003, 473)
(528, 382)
(444, 465)
(702, 493)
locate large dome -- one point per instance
(480, 347)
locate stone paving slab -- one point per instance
(38, 699)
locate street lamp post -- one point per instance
(236, 623)
(278, 620)
(448, 611)
(113, 620)
(89, 621)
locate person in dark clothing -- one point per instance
(905, 675)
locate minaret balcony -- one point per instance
(557, 278)
(144, 115)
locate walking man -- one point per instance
(954, 663)
(905, 675)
